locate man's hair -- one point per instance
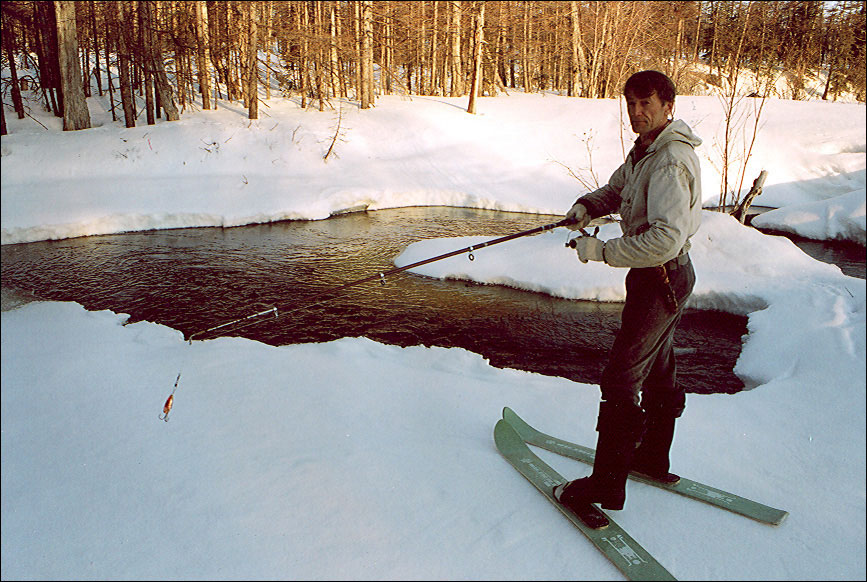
(645, 83)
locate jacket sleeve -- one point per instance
(607, 199)
(670, 221)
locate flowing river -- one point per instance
(196, 278)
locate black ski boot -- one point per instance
(651, 459)
(619, 428)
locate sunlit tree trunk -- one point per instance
(75, 113)
(366, 64)
(478, 39)
(457, 72)
(525, 49)
(434, 48)
(579, 60)
(252, 65)
(203, 52)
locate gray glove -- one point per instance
(589, 248)
(579, 213)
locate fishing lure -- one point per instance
(167, 407)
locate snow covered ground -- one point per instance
(353, 459)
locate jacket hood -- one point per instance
(677, 130)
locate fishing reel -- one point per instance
(570, 242)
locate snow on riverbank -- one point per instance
(352, 459)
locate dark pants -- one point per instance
(641, 369)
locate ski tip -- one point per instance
(505, 436)
(502, 427)
(781, 517)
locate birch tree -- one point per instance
(203, 52)
(365, 64)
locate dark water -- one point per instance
(193, 279)
(850, 256)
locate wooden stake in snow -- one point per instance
(740, 211)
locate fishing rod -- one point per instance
(329, 294)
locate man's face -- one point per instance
(647, 114)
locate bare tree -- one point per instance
(75, 113)
(366, 53)
(735, 104)
(203, 52)
(581, 48)
(124, 73)
(478, 40)
(165, 92)
(8, 42)
(252, 62)
(456, 64)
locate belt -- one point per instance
(677, 262)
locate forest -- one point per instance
(166, 56)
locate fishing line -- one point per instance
(330, 294)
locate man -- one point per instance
(657, 192)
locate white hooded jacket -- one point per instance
(658, 199)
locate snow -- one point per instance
(353, 459)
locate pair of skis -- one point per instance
(512, 435)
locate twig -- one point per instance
(336, 134)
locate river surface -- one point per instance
(193, 279)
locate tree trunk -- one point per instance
(697, 38)
(126, 96)
(252, 84)
(433, 59)
(319, 55)
(335, 57)
(478, 39)
(579, 59)
(303, 59)
(334, 70)
(75, 113)
(164, 92)
(386, 54)
(97, 70)
(46, 50)
(366, 64)
(203, 53)
(8, 39)
(525, 48)
(457, 72)
(269, 9)
(108, 46)
(145, 38)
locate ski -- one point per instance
(612, 540)
(686, 487)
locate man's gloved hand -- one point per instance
(589, 248)
(579, 213)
